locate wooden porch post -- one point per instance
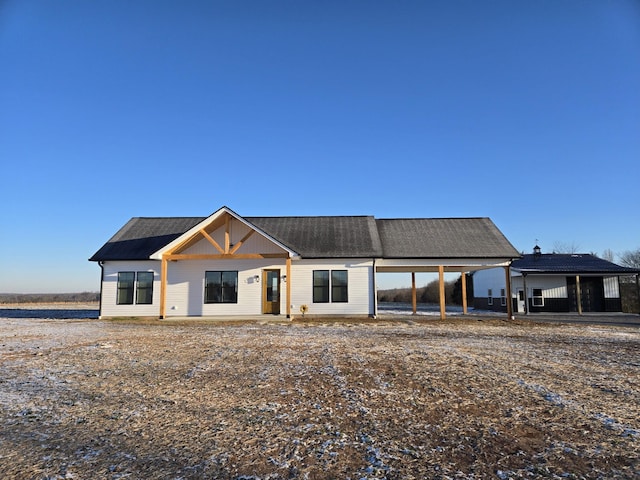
(463, 279)
(507, 272)
(288, 287)
(578, 295)
(163, 286)
(414, 300)
(442, 298)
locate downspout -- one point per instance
(101, 264)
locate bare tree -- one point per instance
(564, 247)
(631, 258)
(608, 255)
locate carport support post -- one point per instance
(289, 287)
(442, 298)
(507, 272)
(414, 301)
(578, 295)
(463, 279)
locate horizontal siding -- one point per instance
(109, 308)
(360, 283)
(185, 287)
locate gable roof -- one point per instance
(574, 263)
(329, 237)
(443, 238)
(142, 236)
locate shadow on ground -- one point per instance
(47, 313)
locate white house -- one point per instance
(552, 282)
(228, 265)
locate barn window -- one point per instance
(503, 297)
(144, 288)
(221, 287)
(330, 286)
(537, 298)
(125, 288)
(490, 297)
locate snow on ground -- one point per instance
(461, 398)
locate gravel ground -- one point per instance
(420, 398)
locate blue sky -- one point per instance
(525, 112)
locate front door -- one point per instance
(271, 291)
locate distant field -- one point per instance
(408, 399)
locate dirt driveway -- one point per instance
(427, 399)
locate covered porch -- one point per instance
(440, 267)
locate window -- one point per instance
(330, 286)
(125, 288)
(490, 297)
(144, 288)
(221, 287)
(320, 286)
(538, 299)
(339, 286)
(503, 297)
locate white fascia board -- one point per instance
(195, 229)
(432, 264)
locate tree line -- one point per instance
(82, 297)
(430, 293)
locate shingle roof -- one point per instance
(443, 238)
(576, 263)
(331, 237)
(142, 236)
(323, 237)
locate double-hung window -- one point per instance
(490, 297)
(503, 297)
(330, 286)
(139, 284)
(221, 287)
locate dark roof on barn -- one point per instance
(443, 238)
(331, 237)
(569, 263)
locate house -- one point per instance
(553, 282)
(229, 265)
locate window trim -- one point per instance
(119, 288)
(537, 298)
(223, 299)
(326, 289)
(149, 288)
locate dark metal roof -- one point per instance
(569, 263)
(331, 237)
(324, 237)
(443, 238)
(142, 236)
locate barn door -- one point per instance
(271, 291)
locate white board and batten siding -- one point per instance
(109, 305)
